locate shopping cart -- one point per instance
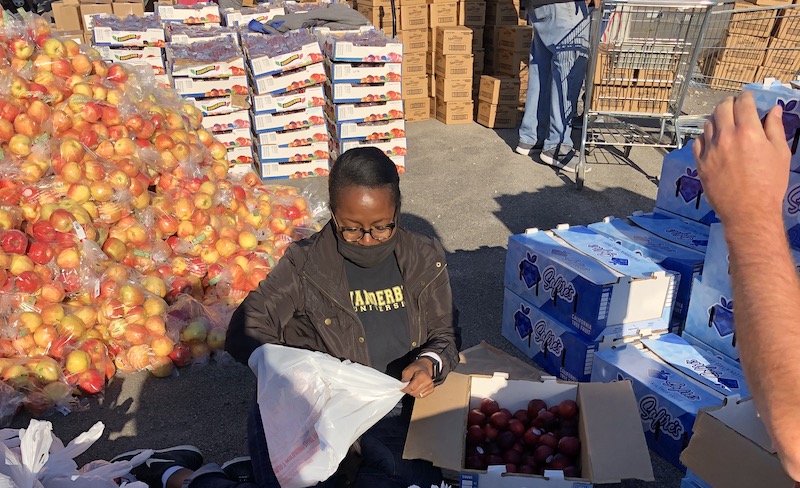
(741, 45)
(642, 54)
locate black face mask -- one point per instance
(365, 256)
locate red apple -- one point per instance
(14, 241)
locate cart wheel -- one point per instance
(580, 176)
(590, 148)
(628, 151)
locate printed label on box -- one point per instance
(288, 120)
(313, 74)
(149, 37)
(235, 138)
(304, 136)
(674, 229)
(710, 319)
(580, 291)
(367, 112)
(364, 73)
(294, 170)
(233, 67)
(211, 87)
(227, 122)
(203, 14)
(339, 49)
(371, 131)
(668, 400)
(682, 260)
(559, 350)
(266, 65)
(312, 96)
(317, 151)
(356, 92)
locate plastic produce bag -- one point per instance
(314, 407)
(34, 458)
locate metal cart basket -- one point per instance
(744, 43)
(642, 54)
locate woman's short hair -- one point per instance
(367, 167)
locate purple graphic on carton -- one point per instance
(791, 123)
(689, 187)
(522, 322)
(720, 315)
(659, 418)
(546, 339)
(529, 272)
(714, 373)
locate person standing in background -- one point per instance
(557, 68)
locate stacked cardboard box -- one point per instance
(363, 93)
(782, 60)
(499, 13)
(453, 68)
(212, 75)
(206, 14)
(571, 292)
(286, 74)
(76, 15)
(260, 13)
(132, 40)
(472, 14)
(379, 13)
(415, 39)
(498, 102)
(634, 78)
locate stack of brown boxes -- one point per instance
(512, 52)
(441, 13)
(412, 30)
(782, 60)
(453, 67)
(498, 102)
(472, 14)
(744, 49)
(379, 13)
(71, 16)
(499, 13)
(634, 78)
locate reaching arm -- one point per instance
(744, 168)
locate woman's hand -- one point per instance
(419, 375)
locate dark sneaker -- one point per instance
(550, 156)
(153, 469)
(240, 470)
(525, 149)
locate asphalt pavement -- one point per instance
(465, 185)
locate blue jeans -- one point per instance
(382, 465)
(558, 60)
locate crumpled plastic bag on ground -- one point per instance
(36, 458)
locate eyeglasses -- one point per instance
(355, 234)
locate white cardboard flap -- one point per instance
(438, 424)
(614, 433)
(725, 458)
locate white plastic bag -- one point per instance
(35, 458)
(314, 407)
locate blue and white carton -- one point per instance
(680, 190)
(766, 97)
(687, 263)
(556, 348)
(668, 398)
(710, 319)
(731, 448)
(716, 272)
(691, 480)
(674, 229)
(587, 281)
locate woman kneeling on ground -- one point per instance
(320, 296)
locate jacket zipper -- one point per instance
(419, 303)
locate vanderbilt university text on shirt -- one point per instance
(378, 301)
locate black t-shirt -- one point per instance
(378, 299)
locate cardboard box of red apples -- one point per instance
(303, 169)
(395, 149)
(552, 434)
(365, 112)
(312, 96)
